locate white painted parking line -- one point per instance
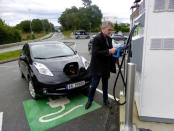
(1, 117)
(121, 69)
(4, 66)
(9, 67)
(110, 96)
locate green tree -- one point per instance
(24, 26)
(37, 25)
(9, 34)
(51, 27)
(46, 25)
(87, 3)
(82, 18)
(69, 18)
(122, 28)
(116, 27)
(1, 22)
(94, 15)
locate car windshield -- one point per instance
(83, 33)
(50, 51)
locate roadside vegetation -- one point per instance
(67, 34)
(25, 30)
(122, 27)
(28, 36)
(8, 34)
(9, 55)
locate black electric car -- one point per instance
(53, 68)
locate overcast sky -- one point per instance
(14, 11)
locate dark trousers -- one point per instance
(95, 82)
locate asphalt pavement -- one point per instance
(14, 93)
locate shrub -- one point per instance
(9, 34)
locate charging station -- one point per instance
(153, 52)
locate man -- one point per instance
(102, 62)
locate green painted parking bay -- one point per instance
(47, 113)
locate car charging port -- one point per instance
(71, 69)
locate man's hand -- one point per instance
(112, 51)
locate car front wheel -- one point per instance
(90, 51)
(32, 90)
(22, 75)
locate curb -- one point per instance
(69, 43)
(6, 61)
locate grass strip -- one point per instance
(9, 55)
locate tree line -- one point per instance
(36, 25)
(10, 34)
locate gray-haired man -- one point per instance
(102, 62)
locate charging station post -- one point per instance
(128, 125)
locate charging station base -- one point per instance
(124, 127)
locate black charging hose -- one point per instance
(128, 51)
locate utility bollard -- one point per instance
(128, 125)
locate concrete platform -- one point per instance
(154, 126)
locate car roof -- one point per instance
(44, 43)
(79, 30)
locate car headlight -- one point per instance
(85, 62)
(43, 69)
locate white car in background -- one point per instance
(81, 34)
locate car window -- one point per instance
(83, 33)
(77, 33)
(51, 51)
(23, 50)
(27, 51)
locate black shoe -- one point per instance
(88, 105)
(107, 103)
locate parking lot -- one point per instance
(21, 113)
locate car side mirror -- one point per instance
(75, 52)
(22, 57)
